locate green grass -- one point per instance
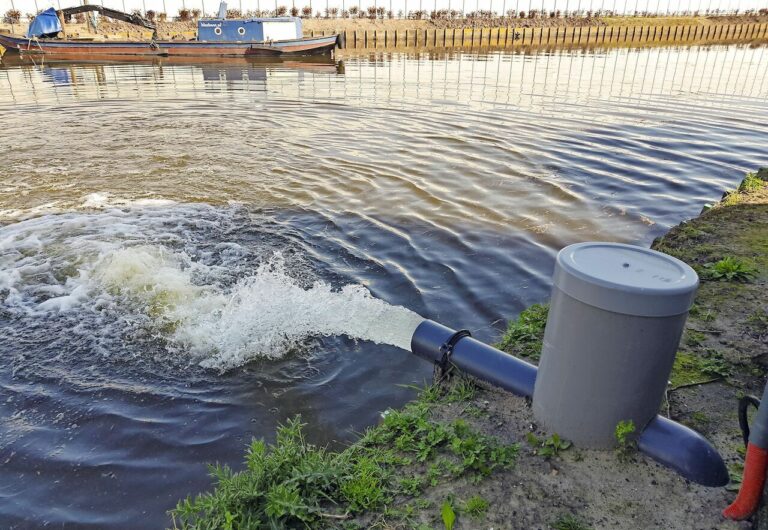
(697, 420)
(703, 314)
(462, 390)
(548, 447)
(626, 443)
(292, 483)
(735, 473)
(752, 183)
(757, 321)
(524, 336)
(730, 269)
(694, 338)
(448, 515)
(690, 368)
(570, 522)
(476, 507)
(412, 486)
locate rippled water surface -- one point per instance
(191, 253)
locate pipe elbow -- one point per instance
(684, 450)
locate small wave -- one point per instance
(106, 200)
(92, 201)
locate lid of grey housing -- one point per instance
(626, 279)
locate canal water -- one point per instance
(192, 253)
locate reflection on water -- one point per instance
(444, 183)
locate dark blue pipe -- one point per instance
(476, 358)
(669, 443)
(684, 450)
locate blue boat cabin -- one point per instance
(253, 29)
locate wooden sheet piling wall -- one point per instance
(509, 37)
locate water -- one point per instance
(192, 253)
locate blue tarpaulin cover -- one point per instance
(44, 24)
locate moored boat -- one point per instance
(219, 37)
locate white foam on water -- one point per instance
(92, 201)
(267, 314)
(106, 200)
(132, 261)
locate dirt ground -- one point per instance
(591, 487)
(580, 489)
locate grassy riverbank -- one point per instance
(467, 456)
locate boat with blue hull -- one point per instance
(219, 37)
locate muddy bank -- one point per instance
(465, 455)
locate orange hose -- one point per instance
(755, 466)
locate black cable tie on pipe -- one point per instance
(447, 349)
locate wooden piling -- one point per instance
(541, 36)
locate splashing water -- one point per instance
(221, 304)
(263, 315)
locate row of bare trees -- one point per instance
(381, 12)
(13, 16)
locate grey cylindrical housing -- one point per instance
(616, 315)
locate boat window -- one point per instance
(217, 31)
(241, 31)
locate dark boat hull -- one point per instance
(320, 63)
(297, 47)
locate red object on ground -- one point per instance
(755, 467)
